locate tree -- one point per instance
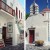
(27, 15)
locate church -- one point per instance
(38, 25)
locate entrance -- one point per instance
(31, 36)
(4, 33)
(6, 40)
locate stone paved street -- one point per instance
(32, 47)
(17, 47)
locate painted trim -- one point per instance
(31, 28)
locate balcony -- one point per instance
(7, 8)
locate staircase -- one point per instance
(21, 38)
(8, 41)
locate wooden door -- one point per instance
(4, 33)
(31, 36)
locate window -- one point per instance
(43, 14)
(19, 13)
(16, 11)
(26, 34)
(34, 9)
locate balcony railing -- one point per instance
(7, 8)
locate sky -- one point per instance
(22, 2)
(42, 4)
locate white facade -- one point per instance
(14, 4)
(40, 26)
(5, 18)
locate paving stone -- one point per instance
(32, 47)
(17, 47)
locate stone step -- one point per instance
(8, 41)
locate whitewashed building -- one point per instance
(11, 20)
(38, 25)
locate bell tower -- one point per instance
(34, 8)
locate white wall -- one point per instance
(9, 20)
(47, 15)
(16, 33)
(9, 2)
(4, 21)
(41, 27)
